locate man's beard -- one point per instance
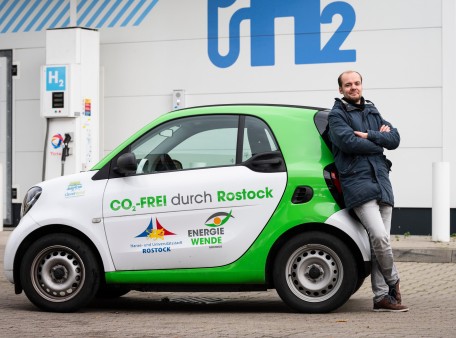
(351, 101)
(354, 101)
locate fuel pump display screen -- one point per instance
(57, 100)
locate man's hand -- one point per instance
(383, 129)
(361, 134)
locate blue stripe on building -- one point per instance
(18, 16)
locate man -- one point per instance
(359, 135)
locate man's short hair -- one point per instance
(339, 79)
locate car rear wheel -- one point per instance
(59, 273)
(315, 272)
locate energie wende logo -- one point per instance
(218, 219)
(212, 235)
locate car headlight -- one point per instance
(29, 200)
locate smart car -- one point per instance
(215, 198)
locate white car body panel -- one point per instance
(354, 229)
(74, 201)
(171, 231)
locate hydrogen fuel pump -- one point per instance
(70, 101)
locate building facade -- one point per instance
(243, 51)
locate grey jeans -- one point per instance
(376, 218)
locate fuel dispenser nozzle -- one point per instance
(65, 150)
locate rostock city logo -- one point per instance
(155, 232)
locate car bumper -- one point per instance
(12, 245)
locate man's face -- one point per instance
(352, 87)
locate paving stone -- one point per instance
(427, 288)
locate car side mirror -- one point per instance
(126, 164)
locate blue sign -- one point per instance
(308, 18)
(55, 78)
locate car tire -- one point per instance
(359, 283)
(59, 273)
(315, 272)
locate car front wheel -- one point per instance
(315, 273)
(59, 273)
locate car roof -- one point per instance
(254, 105)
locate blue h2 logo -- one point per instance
(308, 19)
(55, 78)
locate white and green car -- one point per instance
(217, 198)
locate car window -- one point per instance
(209, 148)
(199, 142)
(193, 142)
(257, 138)
(321, 121)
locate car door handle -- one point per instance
(271, 161)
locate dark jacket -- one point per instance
(363, 168)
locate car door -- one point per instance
(204, 188)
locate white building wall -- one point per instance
(400, 50)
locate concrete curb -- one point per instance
(422, 249)
(425, 255)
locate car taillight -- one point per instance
(333, 182)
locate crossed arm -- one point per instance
(383, 129)
(362, 143)
(387, 137)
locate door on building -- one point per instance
(6, 106)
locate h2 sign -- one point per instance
(55, 78)
(308, 18)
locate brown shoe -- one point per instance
(395, 292)
(389, 304)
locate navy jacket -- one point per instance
(363, 168)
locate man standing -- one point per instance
(359, 135)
